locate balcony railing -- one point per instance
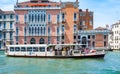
(31, 8)
(36, 35)
(75, 20)
(7, 19)
(63, 20)
(4, 39)
(93, 31)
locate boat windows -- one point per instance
(17, 48)
(11, 48)
(23, 49)
(88, 36)
(75, 52)
(35, 49)
(29, 48)
(42, 49)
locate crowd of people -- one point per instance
(68, 50)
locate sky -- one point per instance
(105, 11)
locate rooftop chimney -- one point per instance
(76, 0)
(17, 2)
(107, 26)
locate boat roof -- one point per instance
(65, 44)
(28, 45)
(43, 45)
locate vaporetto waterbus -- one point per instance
(52, 51)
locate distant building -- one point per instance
(97, 38)
(7, 20)
(86, 20)
(115, 36)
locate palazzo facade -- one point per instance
(47, 22)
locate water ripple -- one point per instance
(108, 65)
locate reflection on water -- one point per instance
(108, 65)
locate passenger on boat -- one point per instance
(51, 49)
(70, 51)
(93, 51)
(86, 50)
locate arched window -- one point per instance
(25, 31)
(44, 17)
(38, 30)
(93, 44)
(48, 30)
(49, 17)
(17, 31)
(41, 41)
(63, 28)
(32, 30)
(35, 17)
(4, 25)
(35, 30)
(41, 18)
(58, 32)
(32, 41)
(17, 18)
(29, 30)
(25, 18)
(75, 16)
(41, 30)
(32, 17)
(38, 17)
(44, 30)
(75, 28)
(29, 17)
(58, 18)
(84, 41)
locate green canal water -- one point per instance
(110, 64)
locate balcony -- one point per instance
(0, 39)
(58, 21)
(75, 20)
(63, 20)
(9, 39)
(63, 33)
(7, 19)
(4, 39)
(10, 30)
(35, 8)
(4, 29)
(1, 29)
(17, 22)
(49, 22)
(75, 33)
(36, 35)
